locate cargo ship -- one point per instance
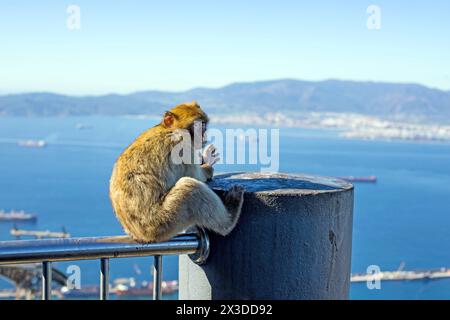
(146, 289)
(32, 143)
(88, 291)
(17, 216)
(369, 179)
(82, 126)
(18, 233)
(123, 287)
(401, 275)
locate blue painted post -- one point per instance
(293, 241)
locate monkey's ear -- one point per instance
(193, 104)
(168, 119)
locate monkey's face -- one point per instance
(198, 134)
(191, 117)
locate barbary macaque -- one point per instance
(155, 197)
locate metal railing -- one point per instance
(104, 248)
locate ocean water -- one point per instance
(404, 217)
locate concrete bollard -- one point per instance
(293, 241)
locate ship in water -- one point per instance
(369, 179)
(32, 143)
(122, 288)
(14, 215)
(145, 289)
(401, 275)
(82, 126)
(18, 233)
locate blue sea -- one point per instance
(404, 217)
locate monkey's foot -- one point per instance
(234, 198)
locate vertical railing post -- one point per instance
(104, 279)
(157, 277)
(46, 280)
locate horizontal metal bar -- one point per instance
(69, 249)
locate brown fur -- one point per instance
(154, 198)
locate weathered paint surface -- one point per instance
(293, 241)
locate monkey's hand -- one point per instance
(210, 156)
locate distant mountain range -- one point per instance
(369, 98)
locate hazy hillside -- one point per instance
(381, 99)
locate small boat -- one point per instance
(18, 233)
(370, 179)
(146, 289)
(89, 291)
(32, 143)
(16, 216)
(82, 126)
(135, 292)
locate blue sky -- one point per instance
(176, 45)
